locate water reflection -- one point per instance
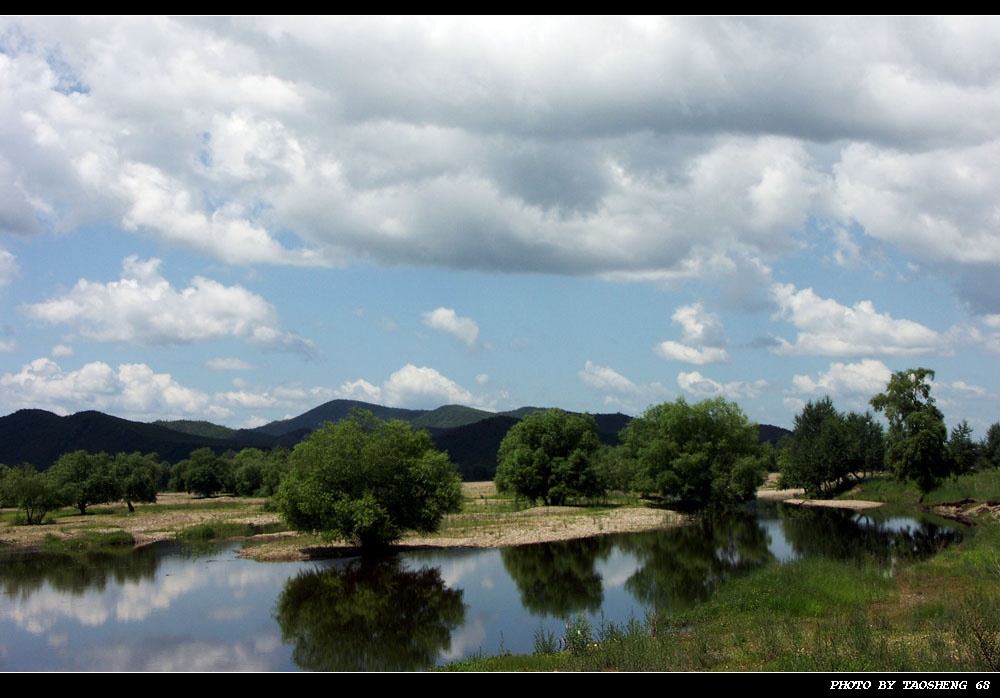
(171, 607)
(558, 579)
(368, 615)
(682, 567)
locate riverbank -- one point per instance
(487, 521)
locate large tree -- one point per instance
(705, 457)
(86, 479)
(916, 440)
(368, 481)
(550, 455)
(33, 492)
(138, 477)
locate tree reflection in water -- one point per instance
(370, 615)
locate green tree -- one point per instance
(33, 492)
(368, 480)
(917, 435)
(86, 479)
(989, 447)
(248, 472)
(865, 450)
(551, 456)
(816, 458)
(202, 473)
(828, 449)
(962, 450)
(138, 477)
(705, 457)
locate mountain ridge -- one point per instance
(471, 436)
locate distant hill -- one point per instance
(40, 438)
(332, 411)
(198, 428)
(470, 436)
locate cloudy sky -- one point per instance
(237, 219)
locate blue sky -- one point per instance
(239, 218)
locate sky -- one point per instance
(239, 218)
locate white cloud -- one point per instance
(703, 387)
(676, 351)
(699, 328)
(473, 144)
(827, 328)
(8, 346)
(620, 391)
(867, 377)
(937, 205)
(464, 329)
(133, 389)
(143, 308)
(606, 379)
(360, 390)
(62, 351)
(415, 388)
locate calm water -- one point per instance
(172, 607)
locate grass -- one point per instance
(90, 541)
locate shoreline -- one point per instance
(476, 527)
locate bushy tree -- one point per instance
(704, 457)
(257, 473)
(33, 492)
(550, 456)
(138, 477)
(86, 479)
(368, 481)
(917, 436)
(202, 473)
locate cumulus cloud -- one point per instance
(137, 391)
(827, 328)
(133, 389)
(464, 329)
(415, 388)
(866, 377)
(697, 328)
(143, 308)
(471, 144)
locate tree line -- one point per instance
(368, 480)
(81, 479)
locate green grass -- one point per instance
(221, 530)
(97, 540)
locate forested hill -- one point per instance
(39, 438)
(470, 436)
